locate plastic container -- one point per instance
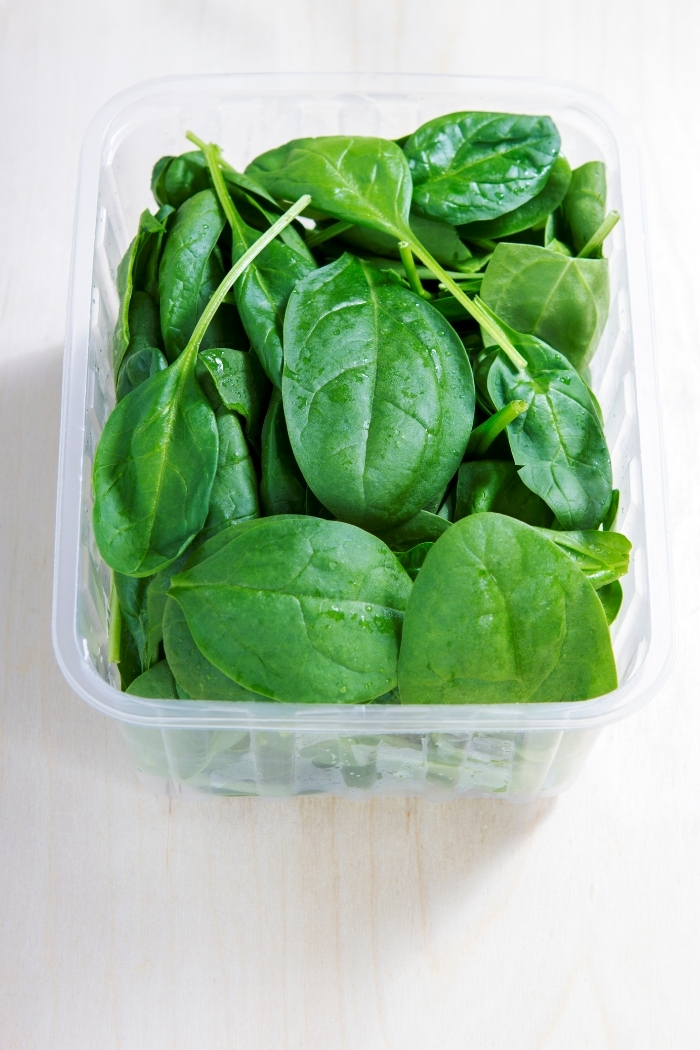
(195, 748)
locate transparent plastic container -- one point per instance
(194, 748)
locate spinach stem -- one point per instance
(411, 271)
(472, 306)
(238, 268)
(319, 236)
(609, 222)
(114, 639)
(483, 436)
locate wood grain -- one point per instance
(130, 922)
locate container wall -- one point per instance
(515, 766)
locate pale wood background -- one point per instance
(128, 922)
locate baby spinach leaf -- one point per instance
(609, 520)
(471, 166)
(494, 485)
(282, 485)
(155, 599)
(139, 367)
(563, 301)
(359, 179)
(127, 657)
(235, 379)
(378, 393)
(176, 179)
(526, 215)
(422, 527)
(157, 683)
(584, 204)
(191, 669)
(611, 599)
(234, 494)
(413, 559)
(132, 593)
(154, 469)
(558, 441)
(498, 614)
(190, 272)
(132, 274)
(439, 238)
(299, 609)
(601, 556)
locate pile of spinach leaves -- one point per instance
(359, 451)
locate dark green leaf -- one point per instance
(153, 472)
(473, 166)
(609, 520)
(234, 494)
(378, 393)
(156, 597)
(299, 609)
(611, 599)
(559, 441)
(584, 204)
(498, 614)
(495, 485)
(529, 214)
(176, 179)
(360, 179)
(601, 556)
(439, 238)
(155, 684)
(282, 485)
(137, 368)
(413, 559)
(132, 275)
(563, 301)
(235, 379)
(129, 662)
(132, 593)
(421, 527)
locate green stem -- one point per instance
(411, 271)
(472, 307)
(609, 222)
(319, 236)
(484, 435)
(114, 640)
(238, 268)
(212, 155)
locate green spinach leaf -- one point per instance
(527, 215)
(157, 683)
(584, 204)
(234, 494)
(561, 300)
(132, 593)
(282, 485)
(474, 166)
(134, 273)
(378, 393)
(139, 367)
(439, 238)
(494, 485)
(559, 440)
(299, 609)
(412, 560)
(423, 526)
(601, 556)
(498, 614)
(235, 379)
(611, 599)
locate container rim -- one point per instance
(197, 714)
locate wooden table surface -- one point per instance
(131, 921)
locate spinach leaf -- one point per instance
(156, 597)
(139, 367)
(558, 441)
(412, 560)
(360, 179)
(191, 669)
(154, 469)
(133, 272)
(498, 614)
(611, 599)
(235, 379)
(601, 556)
(132, 594)
(299, 609)
(234, 494)
(176, 179)
(584, 204)
(190, 271)
(526, 215)
(422, 527)
(378, 393)
(563, 301)
(282, 485)
(494, 485)
(609, 519)
(439, 238)
(157, 683)
(472, 166)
